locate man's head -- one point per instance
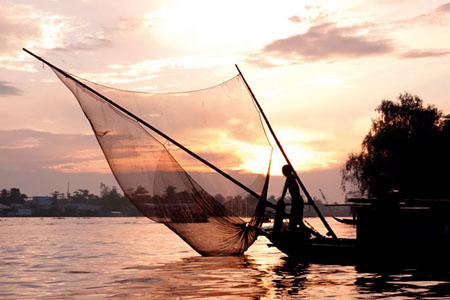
(287, 170)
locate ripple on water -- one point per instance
(77, 272)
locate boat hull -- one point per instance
(346, 221)
(351, 252)
(325, 250)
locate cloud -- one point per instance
(153, 68)
(126, 24)
(85, 44)
(6, 89)
(325, 41)
(444, 8)
(13, 32)
(19, 27)
(295, 19)
(87, 166)
(23, 26)
(32, 150)
(32, 28)
(424, 53)
(439, 16)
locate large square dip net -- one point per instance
(149, 140)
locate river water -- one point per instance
(134, 258)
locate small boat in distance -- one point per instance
(345, 221)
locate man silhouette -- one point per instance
(296, 216)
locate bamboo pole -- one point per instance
(310, 200)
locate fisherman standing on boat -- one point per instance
(296, 216)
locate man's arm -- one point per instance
(270, 204)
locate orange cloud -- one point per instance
(82, 166)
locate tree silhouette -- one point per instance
(83, 196)
(57, 205)
(12, 196)
(4, 197)
(112, 200)
(169, 192)
(406, 149)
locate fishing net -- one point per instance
(168, 185)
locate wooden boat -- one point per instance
(412, 233)
(300, 246)
(345, 221)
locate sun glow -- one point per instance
(299, 147)
(228, 23)
(255, 158)
(300, 156)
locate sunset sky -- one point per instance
(318, 68)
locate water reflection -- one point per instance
(242, 277)
(128, 258)
(405, 284)
(194, 278)
(289, 278)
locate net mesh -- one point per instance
(220, 124)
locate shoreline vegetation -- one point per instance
(111, 203)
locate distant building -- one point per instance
(82, 209)
(20, 210)
(42, 200)
(4, 210)
(41, 204)
(24, 212)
